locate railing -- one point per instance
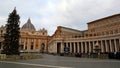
(2, 56)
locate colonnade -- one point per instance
(105, 46)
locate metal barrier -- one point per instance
(2, 56)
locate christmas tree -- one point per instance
(11, 42)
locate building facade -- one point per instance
(30, 39)
(102, 36)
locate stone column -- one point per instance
(89, 46)
(101, 46)
(111, 49)
(54, 47)
(23, 43)
(66, 44)
(116, 49)
(93, 46)
(70, 47)
(62, 47)
(106, 46)
(34, 45)
(81, 47)
(28, 44)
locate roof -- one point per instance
(69, 28)
(104, 18)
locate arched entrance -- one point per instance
(42, 49)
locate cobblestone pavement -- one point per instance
(51, 61)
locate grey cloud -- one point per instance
(52, 13)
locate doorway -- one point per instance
(58, 48)
(42, 49)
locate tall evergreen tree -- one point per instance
(11, 42)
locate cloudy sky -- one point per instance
(52, 13)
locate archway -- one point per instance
(42, 49)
